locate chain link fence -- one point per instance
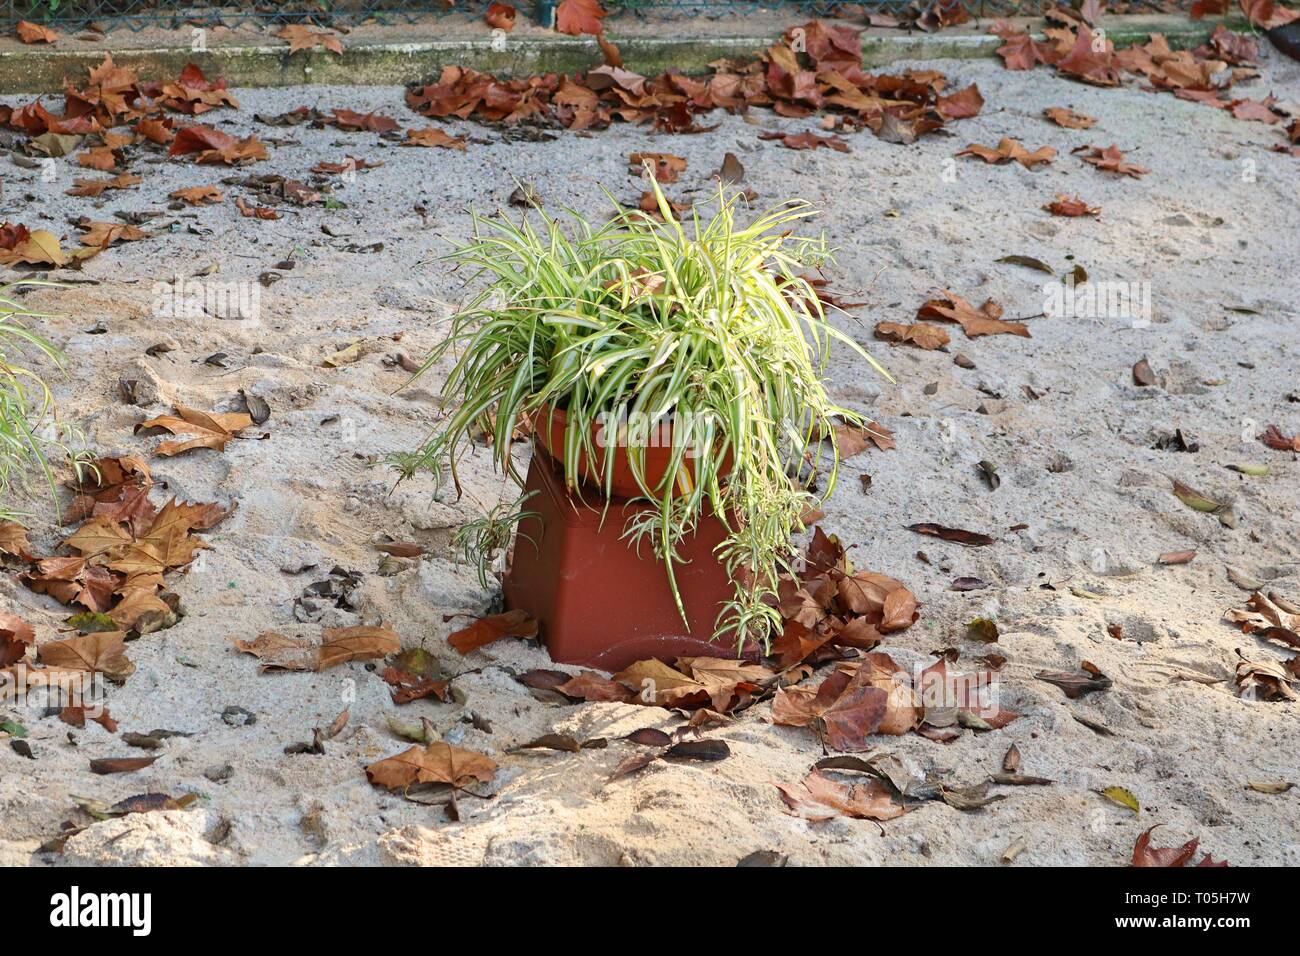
(175, 14)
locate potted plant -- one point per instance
(678, 365)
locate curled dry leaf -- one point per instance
(500, 16)
(516, 623)
(1275, 439)
(971, 539)
(853, 439)
(1144, 854)
(1008, 151)
(807, 140)
(1063, 205)
(1269, 616)
(664, 167)
(16, 635)
(1110, 160)
(1077, 683)
(819, 797)
(576, 17)
(34, 33)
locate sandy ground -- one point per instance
(1213, 229)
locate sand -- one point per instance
(1212, 229)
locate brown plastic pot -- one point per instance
(550, 426)
(599, 602)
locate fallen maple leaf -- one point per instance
(1069, 118)
(1146, 855)
(93, 187)
(34, 33)
(351, 121)
(1008, 150)
(1266, 15)
(198, 195)
(73, 581)
(852, 439)
(103, 234)
(301, 37)
(1110, 160)
(921, 334)
(103, 652)
(576, 17)
(986, 320)
(210, 429)
(433, 137)
(439, 762)
(249, 211)
(516, 623)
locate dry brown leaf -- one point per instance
(100, 653)
(302, 37)
(516, 623)
(433, 137)
(210, 429)
(986, 320)
(1007, 151)
(35, 33)
(439, 762)
(921, 334)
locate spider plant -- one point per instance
(28, 429)
(708, 324)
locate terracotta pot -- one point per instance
(551, 424)
(598, 601)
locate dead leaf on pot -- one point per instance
(654, 682)
(439, 762)
(818, 797)
(516, 623)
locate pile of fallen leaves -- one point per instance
(816, 68)
(109, 122)
(1203, 75)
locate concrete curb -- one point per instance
(31, 70)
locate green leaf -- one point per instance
(1123, 797)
